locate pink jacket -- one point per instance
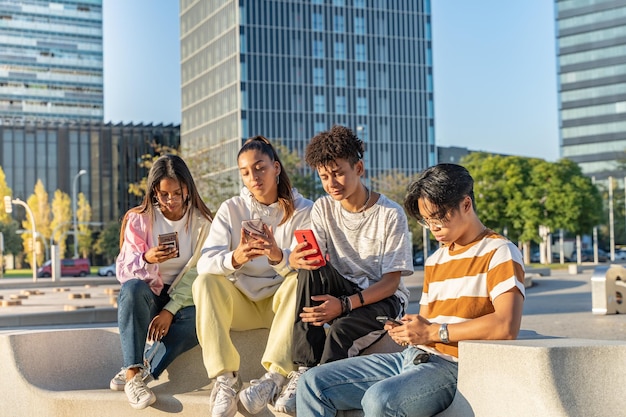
(138, 239)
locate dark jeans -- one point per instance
(313, 345)
(137, 306)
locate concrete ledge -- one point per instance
(67, 372)
(540, 377)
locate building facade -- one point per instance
(55, 152)
(51, 60)
(287, 69)
(591, 47)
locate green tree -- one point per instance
(394, 184)
(83, 216)
(40, 206)
(5, 217)
(108, 243)
(301, 176)
(61, 222)
(12, 242)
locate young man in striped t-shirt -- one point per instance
(473, 290)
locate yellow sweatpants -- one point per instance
(220, 307)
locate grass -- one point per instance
(28, 273)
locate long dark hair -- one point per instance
(285, 196)
(173, 167)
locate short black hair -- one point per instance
(337, 143)
(443, 185)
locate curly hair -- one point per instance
(337, 143)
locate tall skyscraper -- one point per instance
(591, 45)
(51, 60)
(287, 69)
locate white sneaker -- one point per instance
(139, 395)
(261, 392)
(223, 402)
(286, 402)
(119, 381)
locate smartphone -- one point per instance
(170, 240)
(253, 226)
(308, 237)
(385, 319)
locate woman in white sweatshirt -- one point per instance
(246, 282)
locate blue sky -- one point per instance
(494, 71)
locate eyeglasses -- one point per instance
(167, 197)
(432, 223)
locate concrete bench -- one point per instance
(67, 372)
(540, 377)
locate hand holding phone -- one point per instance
(308, 237)
(170, 240)
(393, 322)
(253, 226)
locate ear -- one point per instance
(359, 168)
(277, 167)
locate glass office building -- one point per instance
(287, 69)
(591, 45)
(51, 60)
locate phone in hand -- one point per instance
(308, 237)
(169, 240)
(392, 321)
(253, 226)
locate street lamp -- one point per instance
(8, 207)
(81, 172)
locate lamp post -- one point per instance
(8, 207)
(74, 204)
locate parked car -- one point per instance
(620, 255)
(107, 271)
(586, 255)
(69, 267)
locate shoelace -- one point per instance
(269, 389)
(293, 380)
(138, 388)
(224, 394)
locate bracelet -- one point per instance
(345, 304)
(360, 297)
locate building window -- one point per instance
(317, 22)
(340, 77)
(361, 106)
(319, 127)
(340, 105)
(319, 104)
(359, 25)
(359, 52)
(339, 23)
(318, 76)
(361, 78)
(340, 50)
(339, 3)
(318, 49)
(359, 3)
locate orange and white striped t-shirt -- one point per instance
(461, 284)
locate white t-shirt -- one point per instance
(170, 269)
(365, 246)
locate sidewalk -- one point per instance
(556, 305)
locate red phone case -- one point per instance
(308, 237)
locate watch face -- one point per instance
(443, 333)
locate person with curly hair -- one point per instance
(364, 237)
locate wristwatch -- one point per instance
(443, 333)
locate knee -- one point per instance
(376, 401)
(134, 289)
(208, 286)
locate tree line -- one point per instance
(514, 196)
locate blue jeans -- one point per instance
(137, 306)
(387, 384)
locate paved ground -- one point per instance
(556, 305)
